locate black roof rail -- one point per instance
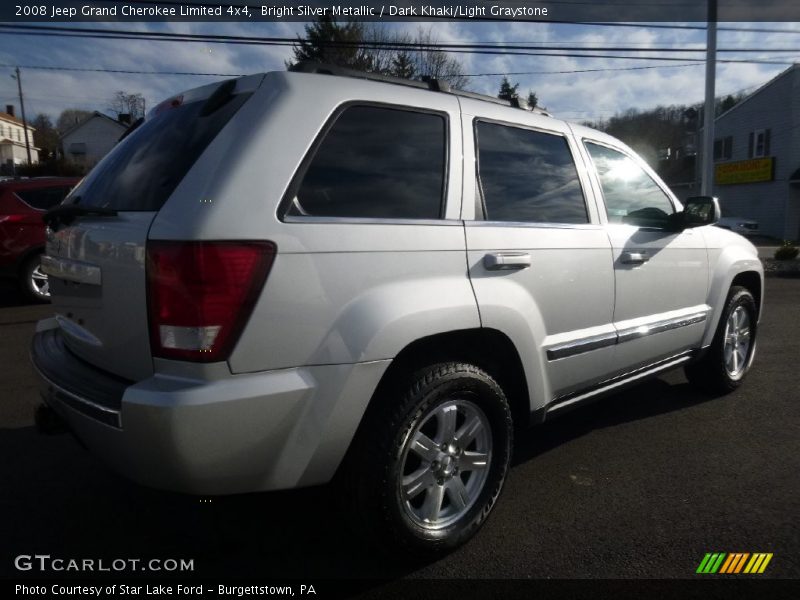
(427, 83)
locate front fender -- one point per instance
(729, 255)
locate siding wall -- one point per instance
(773, 204)
(99, 134)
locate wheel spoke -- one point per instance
(457, 493)
(442, 481)
(473, 461)
(424, 447)
(744, 335)
(432, 505)
(466, 434)
(735, 360)
(447, 424)
(741, 353)
(417, 482)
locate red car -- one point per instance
(22, 231)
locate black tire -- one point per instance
(710, 373)
(381, 455)
(28, 285)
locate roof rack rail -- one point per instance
(427, 83)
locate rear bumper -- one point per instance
(243, 433)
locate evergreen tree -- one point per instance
(507, 91)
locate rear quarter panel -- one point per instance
(340, 291)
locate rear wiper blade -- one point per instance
(64, 214)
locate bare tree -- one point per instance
(70, 117)
(124, 103)
(375, 49)
(429, 61)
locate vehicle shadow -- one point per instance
(10, 296)
(647, 399)
(68, 504)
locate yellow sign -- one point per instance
(744, 171)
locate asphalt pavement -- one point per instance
(640, 485)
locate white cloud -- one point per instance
(575, 96)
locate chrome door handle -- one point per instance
(634, 258)
(506, 261)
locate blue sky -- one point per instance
(575, 96)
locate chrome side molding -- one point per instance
(71, 270)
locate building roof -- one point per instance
(89, 118)
(780, 75)
(12, 119)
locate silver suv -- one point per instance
(295, 278)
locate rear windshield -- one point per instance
(141, 172)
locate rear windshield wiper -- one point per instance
(64, 214)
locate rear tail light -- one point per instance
(200, 295)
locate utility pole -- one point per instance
(707, 181)
(18, 77)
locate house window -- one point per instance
(77, 148)
(758, 144)
(723, 148)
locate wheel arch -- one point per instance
(23, 258)
(734, 267)
(486, 348)
(752, 281)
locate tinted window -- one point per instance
(630, 194)
(528, 176)
(141, 172)
(376, 163)
(43, 198)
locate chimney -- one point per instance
(124, 118)
(10, 109)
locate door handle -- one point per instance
(506, 261)
(634, 258)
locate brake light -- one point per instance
(200, 295)
(167, 104)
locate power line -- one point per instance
(376, 44)
(429, 47)
(125, 71)
(693, 64)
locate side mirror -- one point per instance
(699, 211)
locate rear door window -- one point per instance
(141, 172)
(528, 176)
(376, 162)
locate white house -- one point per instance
(757, 157)
(90, 140)
(12, 140)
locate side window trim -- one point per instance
(289, 195)
(479, 184)
(596, 175)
